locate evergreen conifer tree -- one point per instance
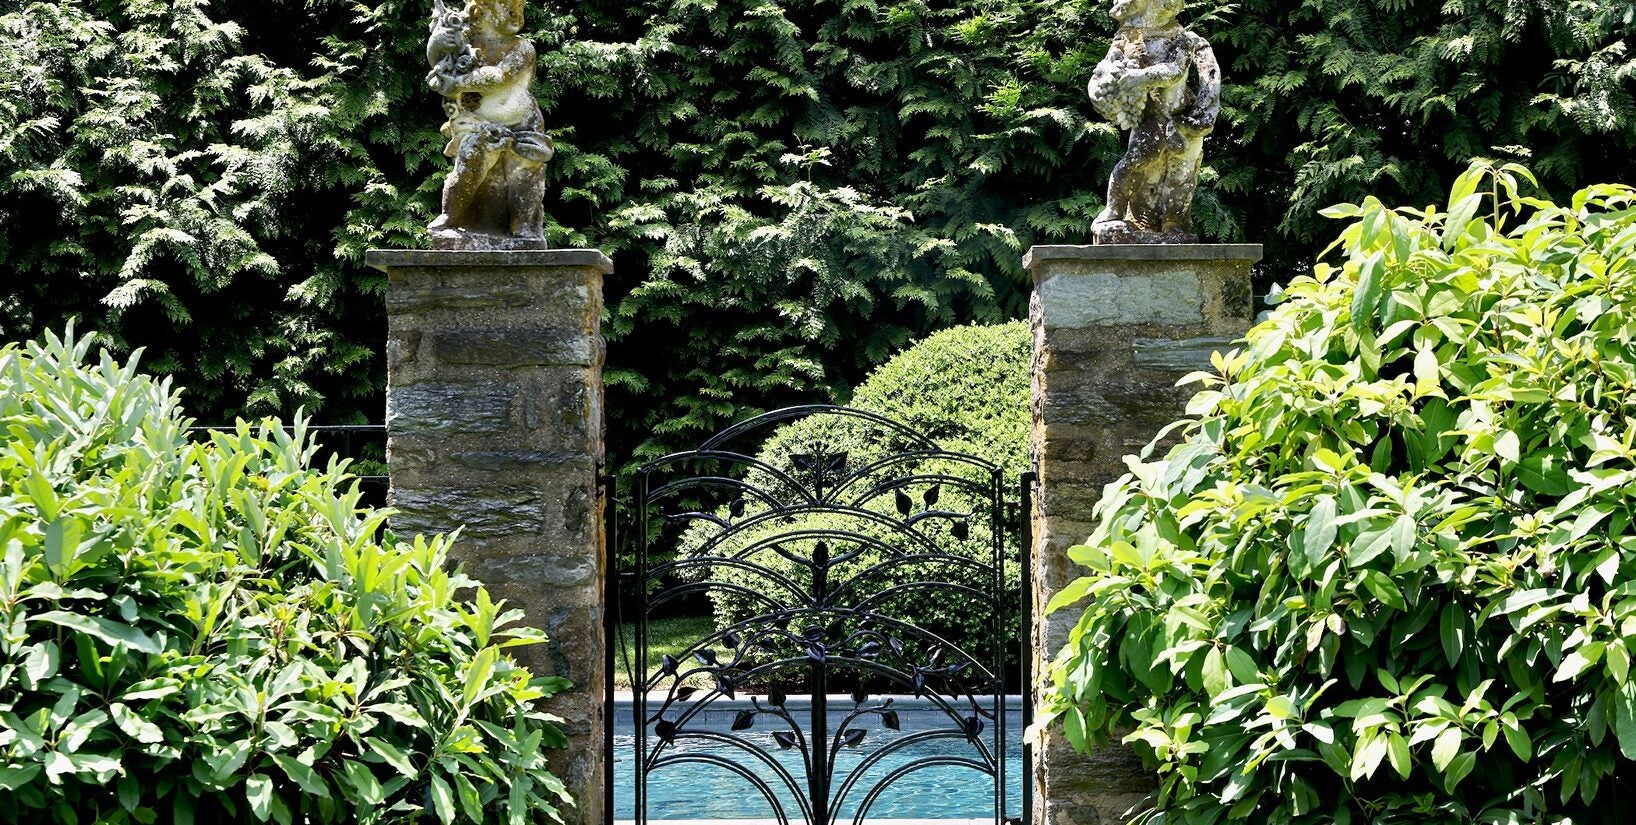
(791, 189)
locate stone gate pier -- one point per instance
(494, 424)
(1114, 327)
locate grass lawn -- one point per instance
(670, 636)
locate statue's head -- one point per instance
(504, 16)
(1146, 14)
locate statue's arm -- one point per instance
(443, 80)
(517, 63)
(1207, 100)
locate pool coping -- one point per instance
(871, 821)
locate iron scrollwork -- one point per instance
(825, 555)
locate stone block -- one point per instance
(403, 349)
(511, 462)
(556, 412)
(514, 347)
(448, 408)
(1082, 406)
(1068, 449)
(463, 266)
(471, 460)
(1093, 299)
(1184, 356)
(1136, 255)
(538, 570)
(1203, 287)
(556, 289)
(497, 511)
(578, 658)
(1070, 498)
(428, 289)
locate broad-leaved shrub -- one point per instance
(210, 630)
(1389, 573)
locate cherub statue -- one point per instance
(494, 198)
(1142, 85)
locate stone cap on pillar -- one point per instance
(1248, 253)
(385, 259)
(1176, 290)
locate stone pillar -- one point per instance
(1114, 327)
(494, 426)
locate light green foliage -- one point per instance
(967, 390)
(666, 637)
(218, 632)
(1387, 575)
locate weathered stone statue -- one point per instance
(1142, 85)
(494, 198)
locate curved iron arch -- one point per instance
(811, 411)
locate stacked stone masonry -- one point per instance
(1114, 327)
(495, 426)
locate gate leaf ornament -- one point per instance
(832, 554)
(822, 465)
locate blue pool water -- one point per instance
(693, 790)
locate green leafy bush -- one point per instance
(967, 390)
(1389, 575)
(213, 631)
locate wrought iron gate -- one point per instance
(860, 568)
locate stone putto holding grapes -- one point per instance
(494, 198)
(1161, 82)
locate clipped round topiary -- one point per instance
(967, 390)
(211, 632)
(1389, 575)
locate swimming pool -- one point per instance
(694, 791)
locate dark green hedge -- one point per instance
(792, 189)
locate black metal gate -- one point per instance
(868, 591)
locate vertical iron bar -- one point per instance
(610, 634)
(818, 780)
(639, 667)
(818, 783)
(1025, 637)
(997, 532)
